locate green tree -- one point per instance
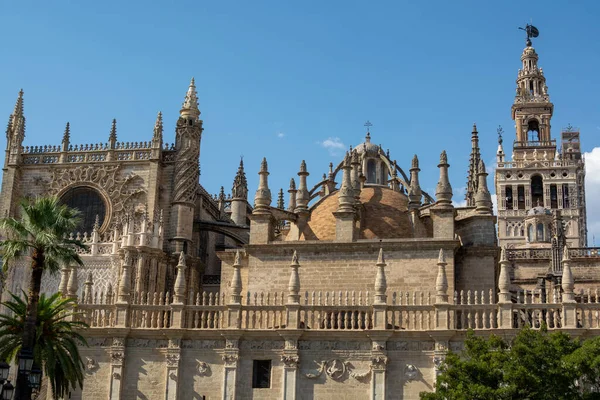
(535, 365)
(56, 339)
(42, 233)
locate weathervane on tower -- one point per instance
(531, 31)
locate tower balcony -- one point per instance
(534, 144)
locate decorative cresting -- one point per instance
(414, 192)
(187, 143)
(483, 199)
(443, 191)
(106, 179)
(380, 280)
(262, 199)
(441, 282)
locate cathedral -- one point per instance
(356, 290)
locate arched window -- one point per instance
(521, 197)
(553, 196)
(89, 202)
(384, 175)
(371, 171)
(540, 232)
(537, 191)
(530, 232)
(533, 130)
(509, 230)
(509, 198)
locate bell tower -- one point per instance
(541, 193)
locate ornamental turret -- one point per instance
(239, 197)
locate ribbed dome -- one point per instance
(384, 216)
(367, 146)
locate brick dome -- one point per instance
(384, 216)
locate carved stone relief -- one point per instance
(290, 361)
(338, 370)
(203, 368)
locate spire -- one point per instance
(66, 137)
(262, 199)
(474, 158)
(441, 282)
(158, 129)
(483, 199)
(302, 196)
(500, 153)
(15, 132)
(280, 200)
(190, 109)
(240, 184)
(414, 193)
(380, 280)
(112, 137)
(292, 191)
(443, 191)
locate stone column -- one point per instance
(173, 357)
(345, 215)
(235, 302)
(230, 358)
(123, 299)
(442, 319)
(440, 350)
(117, 354)
(379, 361)
(64, 280)
(73, 285)
(293, 302)
(291, 361)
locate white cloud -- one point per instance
(592, 194)
(280, 134)
(333, 144)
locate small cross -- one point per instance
(368, 124)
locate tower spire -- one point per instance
(190, 109)
(472, 180)
(112, 137)
(16, 125)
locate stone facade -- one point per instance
(356, 290)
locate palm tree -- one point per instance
(42, 233)
(56, 339)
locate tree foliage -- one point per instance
(535, 365)
(56, 339)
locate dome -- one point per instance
(539, 210)
(384, 215)
(367, 146)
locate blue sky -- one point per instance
(278, 79)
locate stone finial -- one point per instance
(443, 190)
(96, 226)
(189, 108)
(73, 284)
(280, 200)
(441, 281)
(414, 192)
(262, 199)
(15, 131)
(64, 280)
(179, 286)
(302, 195)
(380, 280)
(240, 184)
(294, 284)
(483, 199)
(292, 199)
(568, 284)
(112, 137)
(346, 193)
(504, 279)
(330, 175)
(87, 290)
(66, 136)
(158, 129)
(236, 280)
(125, 281)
